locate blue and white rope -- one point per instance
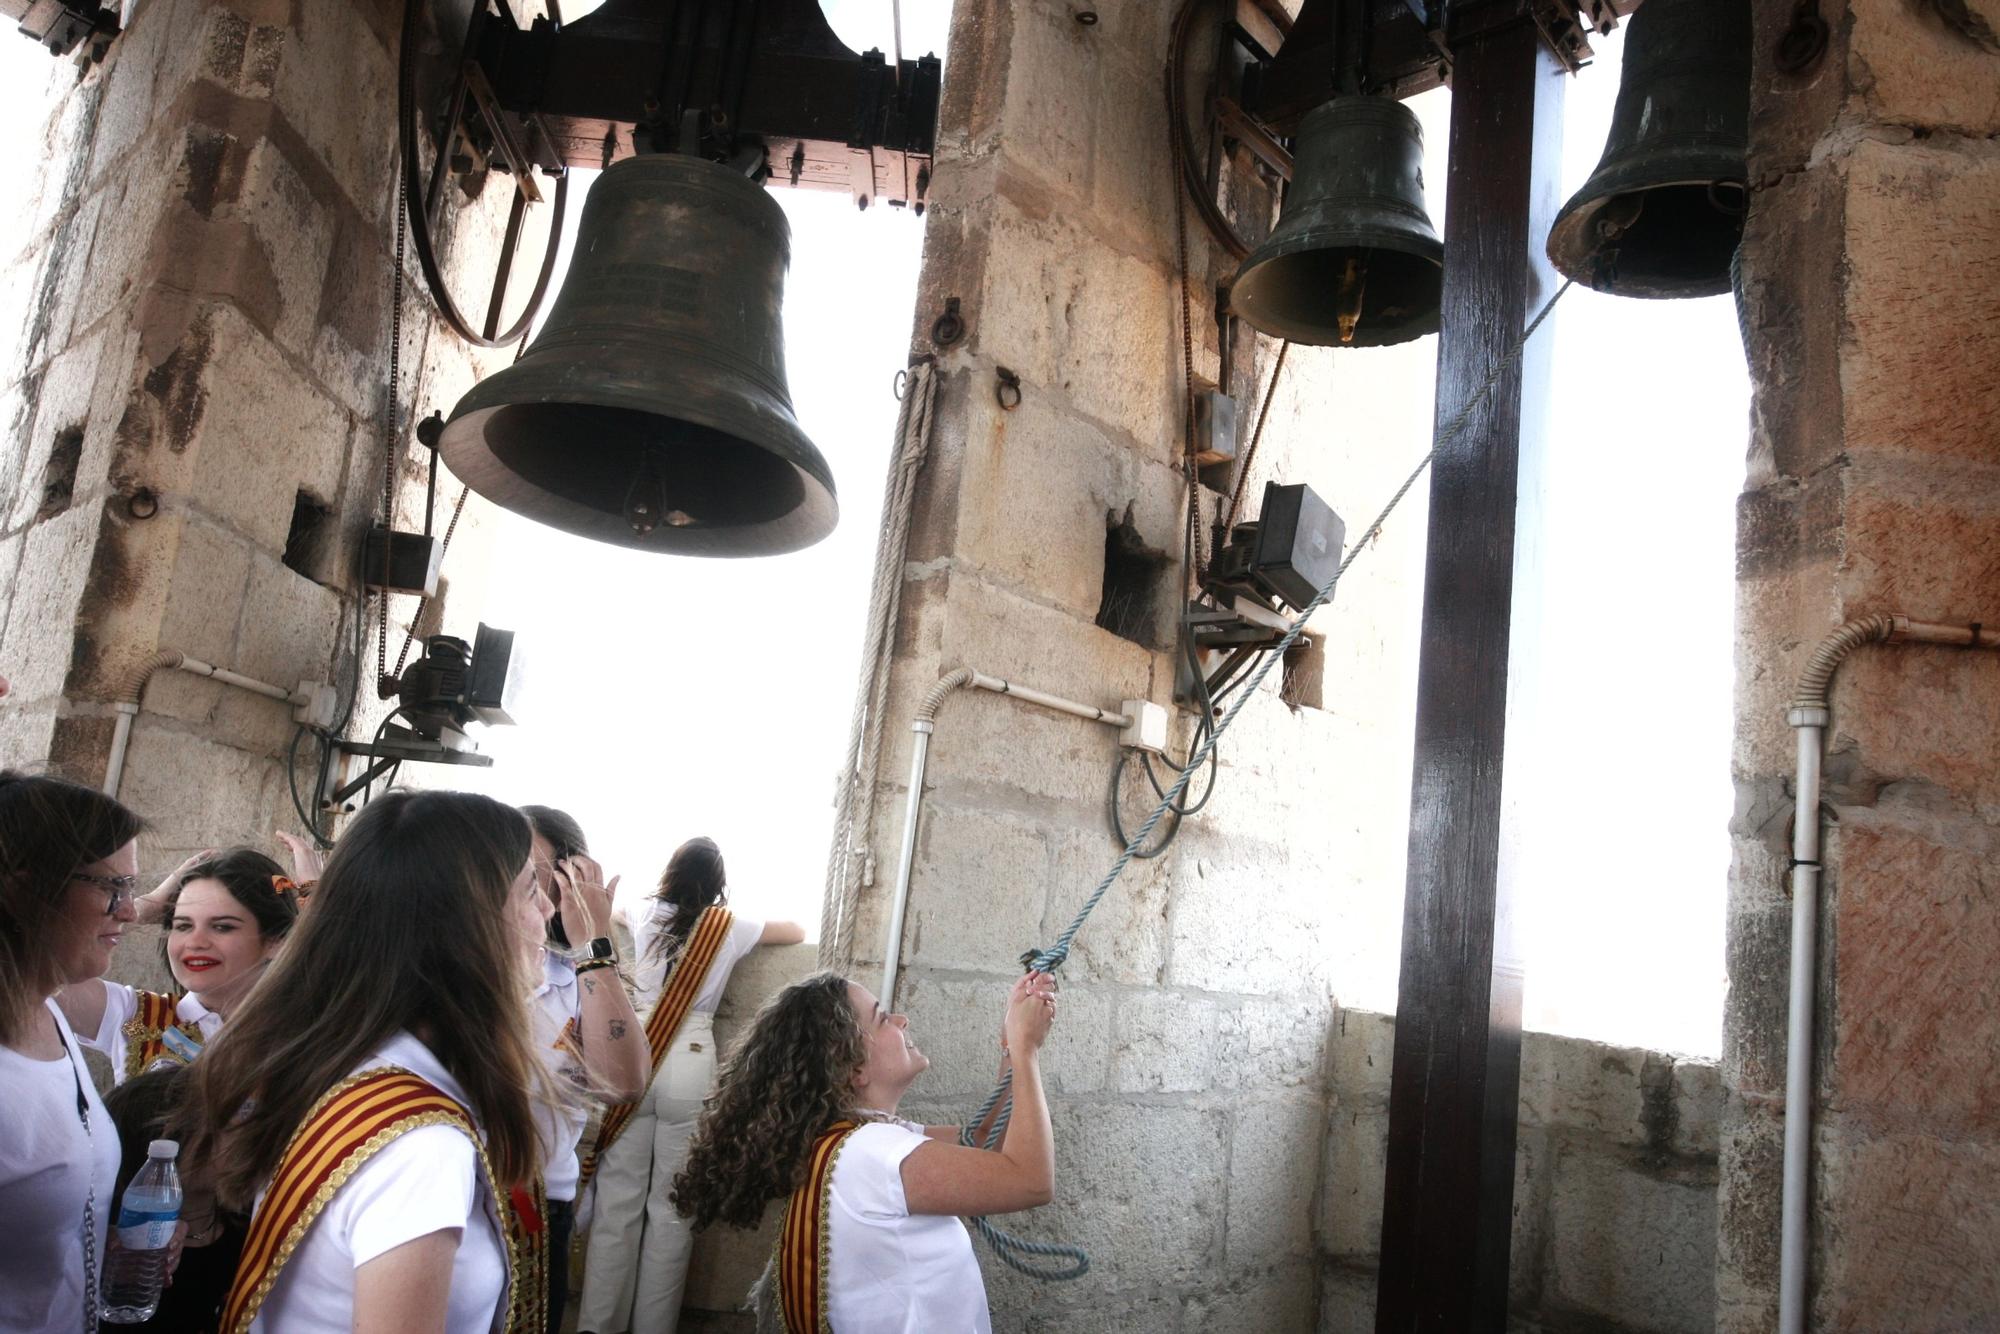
(1014, 1250)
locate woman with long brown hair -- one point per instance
(68, 872)
(375, 1099)
(636, 1268)
(806, 1109)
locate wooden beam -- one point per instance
(1455, 1082)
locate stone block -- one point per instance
(1355, 1167)
(1274, 1042)
(335, 85)
(1167, 1042)
(1748, 1213)
(48, 590)
(1697, 1103)
(1132, 177)
(1916, 1018)
(1063, 1310)
(1910, 1229)
(1912, 68)
(956, 1022)
(295, 233)
(1362, 1050)
(1141, 1187)
(1274, 1150)
(193, 792)
(289, 626)
(1626, 1245)
(1347, 1300)
(1125, 938)
(1795, 315)
(978, 889)
(1216, 945)
(1048, 131)
(205, 595)
(1279, 1297)
(727, 1262)
(1758, 1002)
(161, 52)
(61, 403)
(1585, 1086)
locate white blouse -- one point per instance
(427, 1180)
(891, 1271)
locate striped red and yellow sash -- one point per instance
(146, 1030)
(354, 1120)
(683, 983)
(805, 1238)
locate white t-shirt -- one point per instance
(648, 973)
(892, 1272)
(555, 1003)
(424, 1181)
(121, 1003)
(49, 1166)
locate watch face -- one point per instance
(600, 948)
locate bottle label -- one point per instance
(146, 1229)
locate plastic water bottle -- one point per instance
(135, 1269)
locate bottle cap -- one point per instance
(162, 1148)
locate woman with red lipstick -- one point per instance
(68, 870)
(226, 914)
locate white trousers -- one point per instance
(636, 1259)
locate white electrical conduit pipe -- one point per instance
(135, 687)
(1807, 714)
(921, 728)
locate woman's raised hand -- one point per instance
(307, 860)
(1031, 1008)
(152, 905)
(583, 898)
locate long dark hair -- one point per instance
(252, 879)
(693, 880)
(49, 829)
(409, 932)
(791, 1077)
(564, 836)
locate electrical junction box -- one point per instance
(1147, 728)
(315, 704)
(1214, 428)
(1298, 543)
(401, 562)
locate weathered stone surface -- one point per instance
(1623, 1243)
(1280, 1297)
(1351, 1185)
(1273, 1144)
(1347, 1300)
(1166, 1042)
(966, 854)
(49, 588)
(1748, 1210)
(1917, 1018)
(1910, 1228)
(1909, 67)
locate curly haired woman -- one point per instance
(806, 1109)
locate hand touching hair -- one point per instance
(790, 1078)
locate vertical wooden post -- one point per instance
(1447, 1214)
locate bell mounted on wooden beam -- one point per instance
(1663, 213)
(653, 410)
(1354, 260)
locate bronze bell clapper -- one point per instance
(653, 410)
(1662, 214)
(1354, 260)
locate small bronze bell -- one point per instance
(1663, 213)
(653, 410)
(1354, 260)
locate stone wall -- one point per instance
(1873, 270)
(1614, 1185)
(201, 273)
(1186, 1075)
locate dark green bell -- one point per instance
(1354, 260)
(1663, 213)
(653, 410)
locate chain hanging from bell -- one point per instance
(1662, 214)
(1354, 260)
(653, 411)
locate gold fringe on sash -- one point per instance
(353, 1121)
(145, 1032)
(805, 1237)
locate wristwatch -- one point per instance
(599, 948)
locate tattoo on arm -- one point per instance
(617, 1029)
(589, 984)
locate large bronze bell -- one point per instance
(1663, 213)
(1354, 260)
(653, 410)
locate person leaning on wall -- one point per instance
(68, 870)
(886, 1250)
(688, 943)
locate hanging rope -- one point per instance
(1019, 1252)
(854, 801)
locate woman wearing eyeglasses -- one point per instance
(226, 913)
(67, 861)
